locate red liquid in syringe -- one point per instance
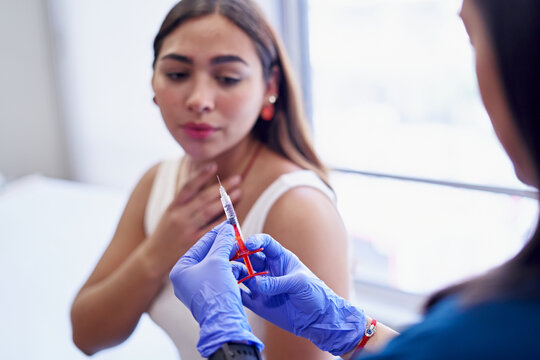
(242, 252)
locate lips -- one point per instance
(198, 130)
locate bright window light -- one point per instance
(394, 92)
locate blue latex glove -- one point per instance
(296, 300)
(203, 281)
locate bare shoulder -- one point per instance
(141, 191)
(300, 208)
(303, 208)
(133, 217)
(300, 204)
(307, 222)
(129, 231)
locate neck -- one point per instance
(233, 161)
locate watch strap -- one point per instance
(236, 351)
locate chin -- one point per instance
(199, 150)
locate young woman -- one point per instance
(227, 96)
(495, 316)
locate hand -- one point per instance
(195, 210)
(203, 281)
(296, 300)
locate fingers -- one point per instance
(208, 207)
(247, 300)
(197, 187)
(271, 248)
(239, 270)
(258, 261)
(198, 251)
(275, 285)
(204, 208)
(193, 186)
(224, 242)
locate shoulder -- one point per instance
(141, 193)
(302, 197)
(161, 172)
(494, 330)
(306, 221)
(144, 185)
(299, 203)
(303, 203)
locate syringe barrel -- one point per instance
(231, 215)
(228, 207)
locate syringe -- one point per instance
(242, 252)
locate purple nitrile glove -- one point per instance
(296, 300)
(203, 281)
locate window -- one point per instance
(394, 95)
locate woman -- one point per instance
(226, 94)
(495, 316)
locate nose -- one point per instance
(201, 99)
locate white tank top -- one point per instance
(166, 310)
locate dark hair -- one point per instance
(288, 132)
(514, 30)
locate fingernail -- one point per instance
(209, 167)
(237, 179)
(235, 193)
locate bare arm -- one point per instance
(133, 268)
(110, 303)
(306, 222)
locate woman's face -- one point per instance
(208, 83)
(492, 92)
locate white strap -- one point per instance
(161, 194)
(255, 219)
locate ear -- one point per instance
(272, 88)
(154, 90)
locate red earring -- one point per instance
(268, 110)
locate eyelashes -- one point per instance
(228, 81)
(223, 80)
(177, 75)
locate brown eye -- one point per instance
(227, 80)
(177, 75)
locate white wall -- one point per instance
(103, 52)
(31, 134)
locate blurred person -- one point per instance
(227, 96)
(493, 316)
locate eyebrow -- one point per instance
(222, 59)
(226, 59)
(180, 58)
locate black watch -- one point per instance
(235, 351)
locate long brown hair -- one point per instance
(288, 133)
(514, 31)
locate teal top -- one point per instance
(494, 330)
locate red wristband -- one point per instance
(370, 331)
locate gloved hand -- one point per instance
(296, 300)
(203, 281)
